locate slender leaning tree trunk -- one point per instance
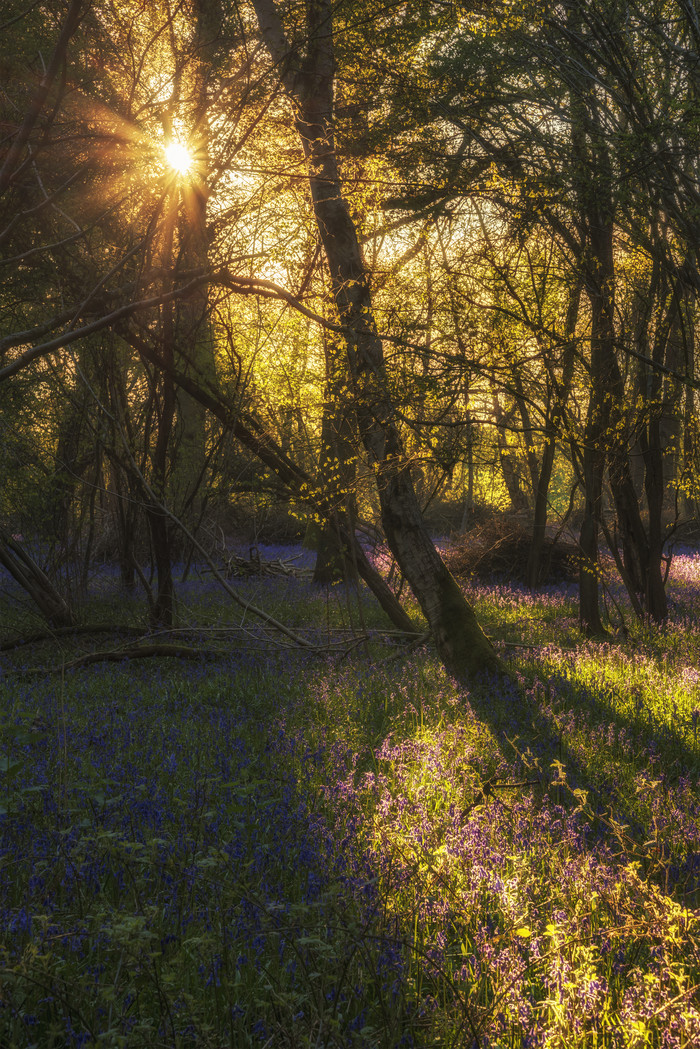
(25, 571)
(253, 435)
(194, 338)
(308, 80)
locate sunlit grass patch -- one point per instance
(514, 615)
(685, 568)
(533, 912)
(274, 850)
(523, 920)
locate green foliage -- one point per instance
(281, 851)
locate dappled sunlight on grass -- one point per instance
(512, 615)
(271, 850)
(525, 911)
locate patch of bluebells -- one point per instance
(683, 588)
(533, 917)
(154, 820)
(496, 895)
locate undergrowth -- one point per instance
(276, 850)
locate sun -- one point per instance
(179, 157)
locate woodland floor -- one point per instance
(269, 847)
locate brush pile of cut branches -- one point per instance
(241, 567)
(499, 549)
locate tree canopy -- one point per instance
(355, 261)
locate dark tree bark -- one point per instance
(606, 441)
(308, 79)
(600, 287)
(25, 571)
(606, 438)
(556, 413)
(194, 342)
(163, 608)
(337, 472)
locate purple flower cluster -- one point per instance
(531, 913)
(159, 850)
(270, 848)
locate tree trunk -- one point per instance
(689, 500)
(560, 397)
(162, 610)
(509, 465)
(336, 472)
(663, 412)
(194, 342)
(25, 571)
(308, 82)
(607, 425)
(600, 292)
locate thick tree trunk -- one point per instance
(163, 608)
(663, 411)
(463, 647)
(607, 429)
(689, 501)
(600, 288)
(642, 547)
(608, 438)
(593, 189)
(589, 608)
(605, 440)
(194, 342)
(123, 486)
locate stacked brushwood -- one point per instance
(499, 550)
(239, 567)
